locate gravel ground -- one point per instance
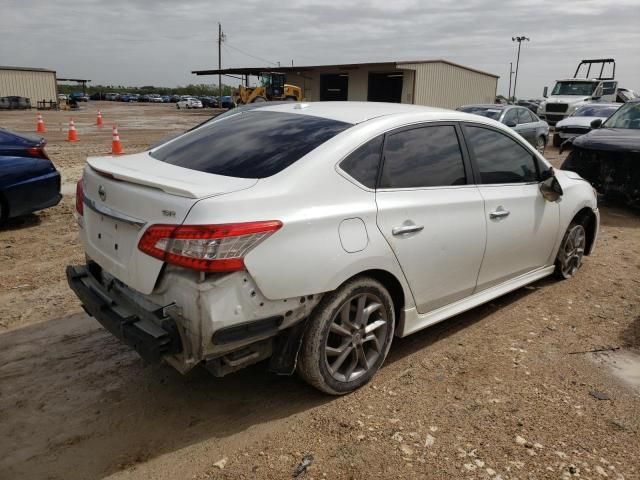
(503, 391)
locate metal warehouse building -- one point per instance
(437, 83)
(34, 83)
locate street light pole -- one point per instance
(510, 78)
(519, 40)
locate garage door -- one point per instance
(385, 87)
(334, 87)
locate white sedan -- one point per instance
(312, 234)
(579, 122)
(189, 102)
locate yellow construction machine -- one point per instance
(272, 88)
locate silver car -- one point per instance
(520, 119)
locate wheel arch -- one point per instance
(391, 283)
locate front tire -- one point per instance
(541, 143)
(348, 337)
(569, 258)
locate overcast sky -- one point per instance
(159, 42)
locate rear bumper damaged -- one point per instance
(223, 322)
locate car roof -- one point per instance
(495, 106)
(355, 112)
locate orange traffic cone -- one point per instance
(72, 135)
(116, 146)
(40, 126)
(99, 119)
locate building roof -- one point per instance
(346, 66)
(26, 69)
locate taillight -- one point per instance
(37, 152)
(206, 248)
(79, 198)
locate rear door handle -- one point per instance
(499, 213)
(407, 229)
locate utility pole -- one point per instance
(220, 38)
(519, 40)
(510, 77)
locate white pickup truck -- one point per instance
(570, 94)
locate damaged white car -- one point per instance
(312, 234)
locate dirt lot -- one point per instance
(498, 392)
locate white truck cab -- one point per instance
(570, 94)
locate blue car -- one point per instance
(28, 179)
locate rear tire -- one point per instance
(541, 143)
(348, 337)
(557, 141)
(259, 100)
(571, 252)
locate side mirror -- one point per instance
(545, 91)
(511, 124)
(597, 93)
(597, 123)
(550, 187)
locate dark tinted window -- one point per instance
(254, 144)
(362, 164)
(423, 157)
(499, 158)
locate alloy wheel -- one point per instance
(570, 256)
(356, 337)
(540, 145)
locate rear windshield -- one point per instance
(253, 144)
(493, 113)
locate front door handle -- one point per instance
(407, 229)
(499, 213)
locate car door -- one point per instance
(430, 212)
(522, 226)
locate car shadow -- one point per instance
(617, 214)
(18, 223)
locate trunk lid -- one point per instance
(125, 195)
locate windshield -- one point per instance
(574, 88)
(252, 144)
(628, 116)
(489, 112)
(596, 111)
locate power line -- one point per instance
(249, 55)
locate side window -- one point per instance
(423, 157)
(511, 116)
(499, 158)
(524, 116)
(362, 164)
(609, 88)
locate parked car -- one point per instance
(175, 98)
(155, 98)
(521, 119)
(579, 122)
(530, 104)
(15, 103)
(211, 102)
(28, 179)
(609, 155)
(414, 215)
(189, 102)
(166, 99)
(79, 97)
(111, 96)
(227, 102)
(62, 97)
(134, 97)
